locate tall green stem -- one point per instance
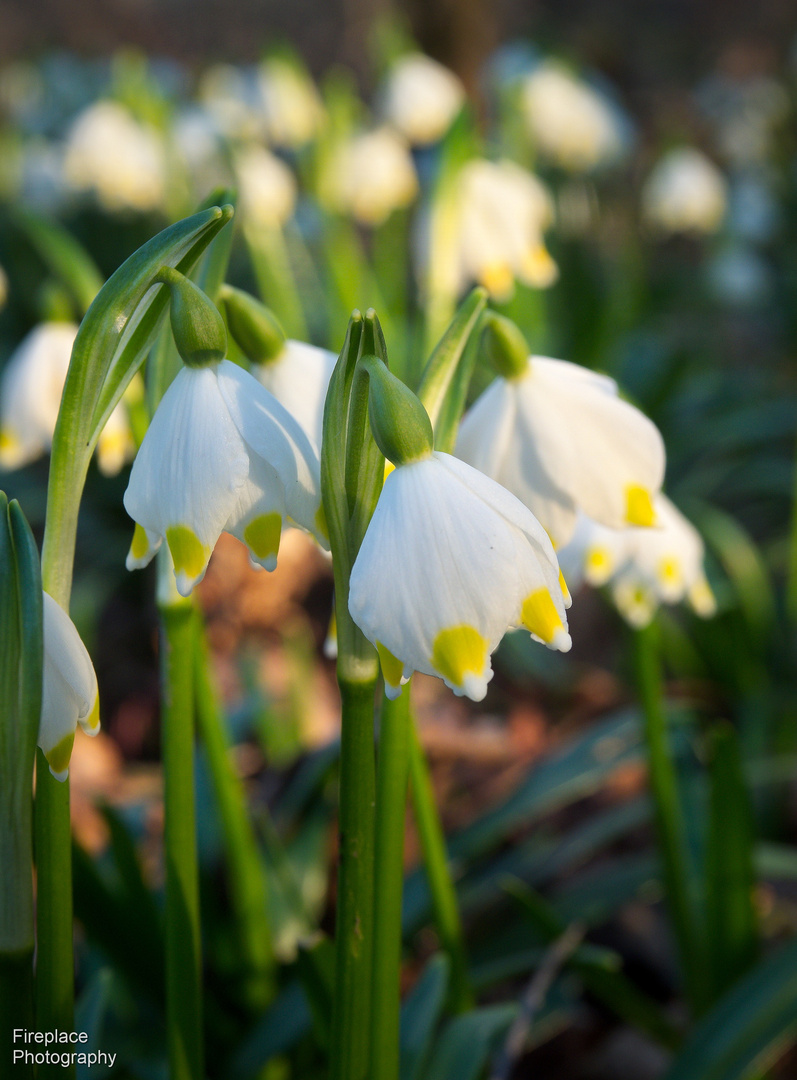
(441, 885)
(669, 819)
(248, 893)
(391, 805)
(183, 945)
(353, 933)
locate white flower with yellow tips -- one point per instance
(267, 188)
(685, 193)
(292, 106)
(221, 454)
(421, 98)
(298, 378)
(594, 554)
(69, 691)
(31, 386)
(450, 561)
(560, 438)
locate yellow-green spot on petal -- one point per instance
(639, 506)
(139, 546)
(321, 521)
(8, 440)
(498, 280)
(58, 757)
(563, 586)
(392, 668)
(262, 535)
(389, 468)
(702, 599)
(597, 565)
(670, 571)
(91, 723)
(540, 617)
(189, 554)
(459, 651)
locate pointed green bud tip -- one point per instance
(507, 349)
(198, 328)
(400, 424)
(254, 326)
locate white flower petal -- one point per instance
(298, 379)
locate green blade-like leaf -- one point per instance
(749, 1028)
(420, 1014)
(287, 1021)
(65, 257)
(467, 1042)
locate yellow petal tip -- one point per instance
(639, 508)
(460, 656)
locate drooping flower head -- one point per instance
(421, 98)
(69, 692)
(267, 187)
(450, 561)
(31, 386)
(685, 193)
(370, 175)
(221, 454)
(560, 438)
(291, 104)
(298, 378)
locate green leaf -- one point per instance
(730, 875)
(420, 1014)
(67, 259)
(468, 1041)
(749, 1028)
(287, 1021)
(316, 967)
(444, 383)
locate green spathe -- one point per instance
(507, 349)
(198, 328)
(400, 424)
(254, 326)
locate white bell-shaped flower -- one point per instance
(109, 153)
(221, 454)
(685, 193)
(421, 98)
(267, 188)
(449, 562)
(69, 691)
(31, 386)
(571, 123)
(560, 438)
(298, 378)
(594, 554)
(370, 175)
(291, 104)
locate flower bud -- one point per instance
(400, 424)
(197, 326)
(253, 325)
(507, 348)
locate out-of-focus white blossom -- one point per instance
(685, 193)
(646, 567)
(421, 98)
(572, 124)
(561, 439)
(198, 143)
(117, 159)
(266, 187)
(292, 107)
(232, 97)
(370, 175)
(31, 386)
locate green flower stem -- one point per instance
(183, 945)
(669, 819)
(16, 1010)
(55, 963)
(391, 807)
(441, 885)
(248, 892)
(349, 1058)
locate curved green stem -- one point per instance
(441, 885)
(183, 944)
(391, 806)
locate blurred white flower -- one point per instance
(298, 378)
(119, 160)
(572, 124)
(450, 561)
(266, 187)
(745, 114)
(370, 175)
(69, 690)
(198, 143)
(232, 97)
(31, 386)
(646, 567)
(421, 98)
(221, 454)
(685, 193)
(561, 439)
(291, 104)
